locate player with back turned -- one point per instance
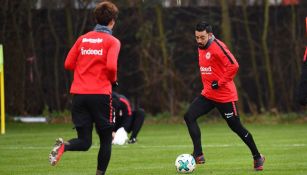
(93, 60)
(218, 68)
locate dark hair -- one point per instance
(105, 12)
(203, 26)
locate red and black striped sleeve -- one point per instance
(228, 61)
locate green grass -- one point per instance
(24, 150)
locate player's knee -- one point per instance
(188, 117)
(86, 145)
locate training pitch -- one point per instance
(24, 150)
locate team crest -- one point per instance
(208, 55)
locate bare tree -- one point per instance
(253, 55)
(266, 56)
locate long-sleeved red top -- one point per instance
(217, 63)
(93, 59)
(305, 55)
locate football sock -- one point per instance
(104, 154)
(195, 134)
(98, 172)
(236, 126)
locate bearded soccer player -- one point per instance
(218, 68)
(93, 59)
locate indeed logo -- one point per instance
(206, 70)
(92, 40)
(90, 51)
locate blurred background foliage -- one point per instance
(158, 62)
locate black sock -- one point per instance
(195, 134)
(104, 154)
(236, 126)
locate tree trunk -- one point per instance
(253, 56)
(37, 77)
(266, 56)
(167, 82)
(56, 62)
(20, 93)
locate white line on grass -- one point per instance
(156, 146)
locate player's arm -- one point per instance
(126, 113)
(71, 59)
(305, 56)
(112, 57)
(231, 65)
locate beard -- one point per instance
(201, 46)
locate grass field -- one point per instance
(24, 150)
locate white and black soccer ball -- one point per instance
(185, 163)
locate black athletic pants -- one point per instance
(136, 122)
(201, 106)
(86, 110)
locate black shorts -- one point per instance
(92, 108)
(202, 105)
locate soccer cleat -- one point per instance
(199, 159)
(56, 152)
(132, 141)
(258, 163)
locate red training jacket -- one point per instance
(217, 63)
(93, 58)
(305, 56)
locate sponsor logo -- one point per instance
(91, 51)
(208, 55)
(92, 40)
(206, 70)
(228, 115)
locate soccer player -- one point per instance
(93, 59)
(218, 68)
(126, 118)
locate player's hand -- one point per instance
(114, 84)
(214, 85)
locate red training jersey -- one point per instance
(217, 63)
(305, 56)
(93, 59)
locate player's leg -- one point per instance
(82, 120)
(83, 142)
(198, 107)
(138, 117)
(229, 112)
(101, 111)
(104, 155)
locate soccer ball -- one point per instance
(185, 163)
